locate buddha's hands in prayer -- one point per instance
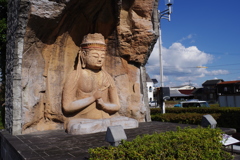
(97, 95)
(100, 103)
(107, 107)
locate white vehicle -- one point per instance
(153, 104)
(186, 104)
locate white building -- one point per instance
(150, 87)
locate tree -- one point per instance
(3, 32)
(3, 41)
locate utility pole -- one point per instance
(163, 15)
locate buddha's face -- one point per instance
(95, 59)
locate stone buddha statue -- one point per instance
(90, 99)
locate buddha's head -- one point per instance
(92, 51)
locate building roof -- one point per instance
(184, 86)
(186, 91)
(212, 82)
(179, 86)
(176, 93)
(229, 82)
(148, 79)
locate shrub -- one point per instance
(2, 117)
(188, 143)
(172, 102)
(198, 110)
(225, 116)
(185, 118)
(214, 105)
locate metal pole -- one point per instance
(161, 101)
(165, 15)
(160, 56)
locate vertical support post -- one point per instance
(145, 94)
(160, 55)
(17, 22)
(161, 100)
(166, 15)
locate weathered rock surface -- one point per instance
(52, 37)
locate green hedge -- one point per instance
(188, 143)
(198, 110)
(225, 116)
(185, 118)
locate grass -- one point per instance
(214, 105)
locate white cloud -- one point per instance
(180, 64)
(157, 76)
(216, 72)
(189, 37)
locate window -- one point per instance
(211, 96)
(150, 89)
(225, 89)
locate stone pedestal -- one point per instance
(87, 126)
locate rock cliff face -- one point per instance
(53, 34)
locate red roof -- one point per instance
(186, 91)
(229, 82)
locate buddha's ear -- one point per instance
(82, 58)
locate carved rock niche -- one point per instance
(52, 37)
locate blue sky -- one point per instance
(201, 33)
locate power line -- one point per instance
(223, 53)
(233, 73)
(214, 68)
(225, 65)
(206, 66)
